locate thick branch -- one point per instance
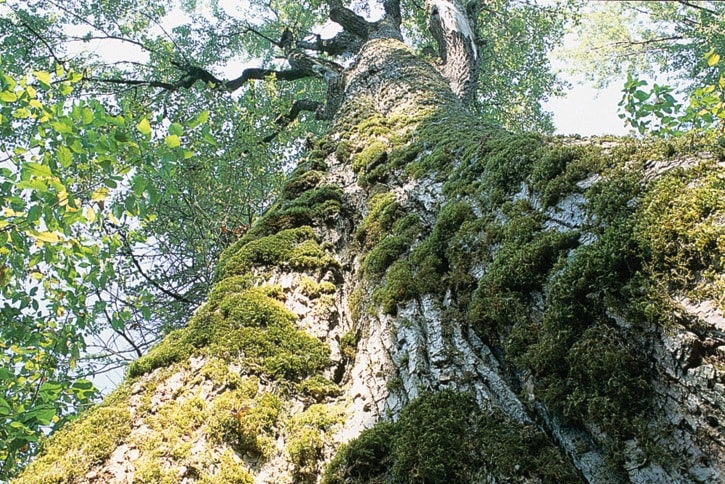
(260, 74)
(340, 44)
(300, 105)
(195, 74)
(349, 20)
(392, 10)
(454, 29)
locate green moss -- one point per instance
(343, 151)
(149, 471)
(312, 289)
(178, 345)
(309, 205)
(384, 254)
(495, 167)
(373, 154)
(445, 437)
(171, 427)
(296, 185)
(69, 454)
(219, 372)
(560, 167)
(307, 434)
(297, 248)
(354, 301)
(319, 388)
(366, 459)
(254, 308)
(228, 470)
(399, 287)
(348, 344)
(383, 212)
(437, 257)
(251, 328)
(522, 265)
(611, 386)
(681, 223)
(230, 285)
(244, 423)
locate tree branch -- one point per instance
(695, 6)
(45, 43)
(340, 44)
(349, 20)
(392, 10)
(300, 105)
(129, 253)
(260, 74)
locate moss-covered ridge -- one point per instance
(83, 443)
(550, 293)
(254, 357)
(445, 437)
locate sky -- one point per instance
(588, 111)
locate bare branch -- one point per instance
(300, 105)
(392, 10)
(349, 20)
(260, 74)
(696, 6)
(45, 42)
(340, 44)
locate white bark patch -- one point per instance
(454, 19)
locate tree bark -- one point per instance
(380, 278)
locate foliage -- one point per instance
(52, 257)
(647, 38)
(657, 112)
(115, 203)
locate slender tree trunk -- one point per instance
(421, 269)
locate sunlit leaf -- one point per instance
(51, 237)
(37, 169)
(43, 77)
(99, 194)
(144, 127)
(172, 141)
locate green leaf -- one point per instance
(176, 129)
(65, 157)
(42, 415)
(62, 127)
(5, 408)
(144, 127)
(37, 169)
(172, 141)
(200, 118)
(8, 97)
(50, 390)
(43, 77)
(641, 95)
(82, 384)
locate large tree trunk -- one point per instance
(491, 298)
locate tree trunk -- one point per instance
(489, 300)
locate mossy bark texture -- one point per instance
(436, 300)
